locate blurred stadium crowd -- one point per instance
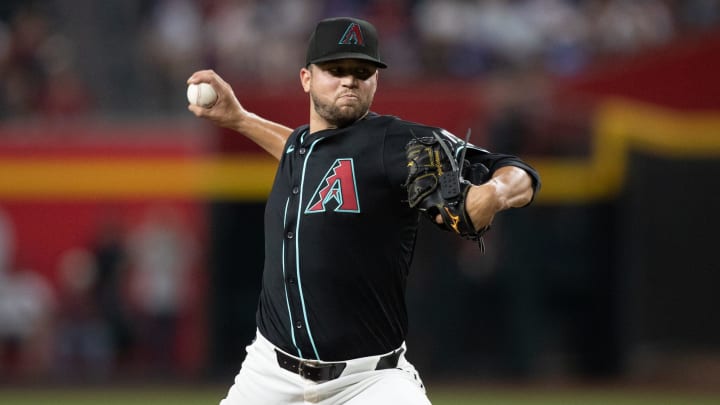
(70, 58)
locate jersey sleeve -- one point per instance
(494, 161)
(397, 135)
(400, 133)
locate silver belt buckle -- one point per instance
(304, 365)
(301, 368)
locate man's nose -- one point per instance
(349, 81)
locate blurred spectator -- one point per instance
(84, 348)
(334, 8)
(26, 304)
(235, 33)
(7, 242)
(565, 34)
(38, 65)
(24, 75)
(5, 39)
(625, 25)
(278, 52)
(509, 121)
(395, 25)
(173, 47)
(65, 94)
(112, 273)
(697, 14)
(176, 35)
(162, 253)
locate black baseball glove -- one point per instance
(439, 179)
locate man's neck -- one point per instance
(318, 123)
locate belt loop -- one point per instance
(389, 360)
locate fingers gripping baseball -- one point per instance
(227, 110)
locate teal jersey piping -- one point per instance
(297, 249)
(287, 299)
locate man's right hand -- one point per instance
(227, 111)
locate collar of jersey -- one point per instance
(306, 137)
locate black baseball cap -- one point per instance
(343, 38)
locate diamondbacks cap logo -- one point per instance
(352, 36)
(337, 188)
(343, 38)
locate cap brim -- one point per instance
(349, 55)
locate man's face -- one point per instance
(341, 91)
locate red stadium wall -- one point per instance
(682, 75)
(45, 228)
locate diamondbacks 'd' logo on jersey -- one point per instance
(352, 36)
(337, 186)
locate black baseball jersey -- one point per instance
(339, 239)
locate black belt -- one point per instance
(320, 372)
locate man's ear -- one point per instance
(305, 77)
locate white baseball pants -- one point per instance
(261, 381)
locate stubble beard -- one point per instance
(339, 116)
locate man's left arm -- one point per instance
(509, 187)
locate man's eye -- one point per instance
(336, 71)
(362, 73)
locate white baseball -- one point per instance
(201, 94)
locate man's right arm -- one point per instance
(227, 112)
